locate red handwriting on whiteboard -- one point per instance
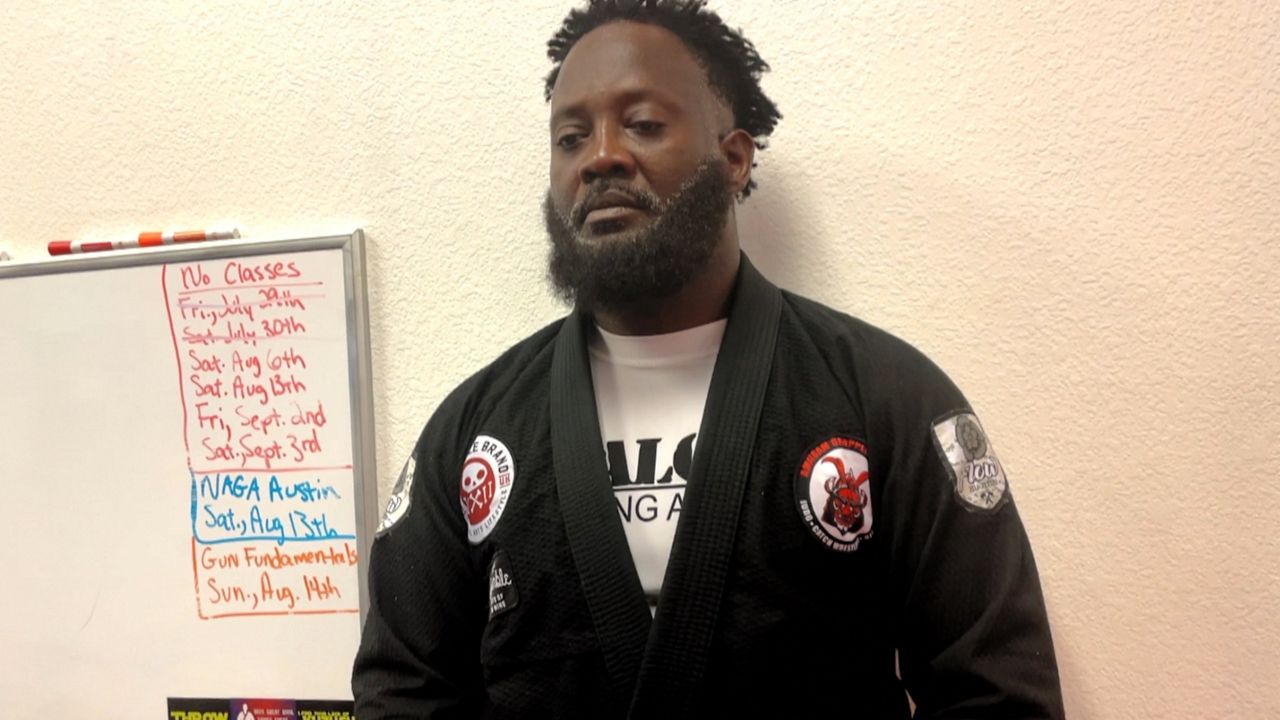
(272, 533)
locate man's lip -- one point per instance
(612, 198)
(609, 212)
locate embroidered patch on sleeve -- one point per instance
(976, 473)
(398, 505)
(503, 595)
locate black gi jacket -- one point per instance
(757, 615)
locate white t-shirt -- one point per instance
(650, 393)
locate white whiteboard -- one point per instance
(186, 476)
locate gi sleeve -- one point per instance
(419, 651)
(973, 635)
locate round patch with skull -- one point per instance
(487, 475)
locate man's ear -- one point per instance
(738, 149)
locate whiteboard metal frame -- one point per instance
(359, 362)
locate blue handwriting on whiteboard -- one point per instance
(295, 525)
(237, 486)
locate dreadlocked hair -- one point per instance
(732, 65)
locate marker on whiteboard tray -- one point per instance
(67, 247)
(151, 239)
(146, 239)
(4, 256)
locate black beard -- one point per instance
(652, 262)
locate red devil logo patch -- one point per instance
(833, 493)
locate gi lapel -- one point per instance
(614, 595)
(676, 657)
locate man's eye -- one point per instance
(569, 141)
(646, 127)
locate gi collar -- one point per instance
(657, 671)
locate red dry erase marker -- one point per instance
(69, 247)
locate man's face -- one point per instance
(639, 193)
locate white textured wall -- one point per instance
(1072, 206)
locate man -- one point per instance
(697, 495)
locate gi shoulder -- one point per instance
(442, 444)
(523, 364)
(917, 418)
(887, 376)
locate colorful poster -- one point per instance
(259, 709)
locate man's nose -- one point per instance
(607, 156)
